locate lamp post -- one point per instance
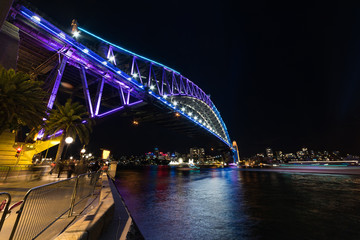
(82, 152)
(68, 141)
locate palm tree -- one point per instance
(72, 119)
(22, 100)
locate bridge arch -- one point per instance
(126, 78)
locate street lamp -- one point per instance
(69, 140)
(82, 152)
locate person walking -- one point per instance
(61, 167)
(71, 168)
(52, 165)
(95, 167)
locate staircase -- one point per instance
(8, 148)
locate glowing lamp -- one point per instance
(69, 140)
(112, 58)
(36, 18)
(76, 34)
(62, 35)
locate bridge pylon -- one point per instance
(236, 152)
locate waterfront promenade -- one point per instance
(106, 218)
(17, 187)
(120, 224)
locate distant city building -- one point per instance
(156, 152)
(305, 151)
(299, 154)
(269, 152)
(279, 155)
(197, 153)
(290, 155)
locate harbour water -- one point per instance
(239, 204)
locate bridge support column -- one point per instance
(86, 91)
(236, 152)
(55, 89)
(99, 95)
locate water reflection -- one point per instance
(236, 204)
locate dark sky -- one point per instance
(283, 74)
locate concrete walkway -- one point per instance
(121, 221)
(106, 219)
(17, 187)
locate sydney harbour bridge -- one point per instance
(108, 78)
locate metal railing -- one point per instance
(48, 209)
(4, 172)
(4, 207)
(15, 172)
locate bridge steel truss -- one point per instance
(135, 79)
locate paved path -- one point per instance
(18, 186)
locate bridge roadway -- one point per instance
(112, 80)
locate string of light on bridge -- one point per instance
(71, 41)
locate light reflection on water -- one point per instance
(237, 204)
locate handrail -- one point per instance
(73, 202)
(6, 208)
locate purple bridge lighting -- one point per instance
(109, 78)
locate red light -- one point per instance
(18, 150)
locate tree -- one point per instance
(72, 119)
(22, 100)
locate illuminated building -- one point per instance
(269, 152)
(197, 153)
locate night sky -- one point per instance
(283, 74)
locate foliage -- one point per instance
(22, 100)
(72, 119)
